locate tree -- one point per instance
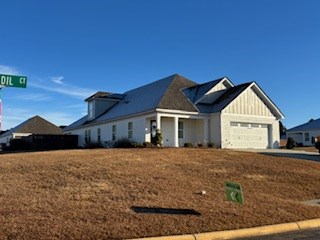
(282, 128)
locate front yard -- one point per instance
(127, 193)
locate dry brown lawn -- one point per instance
(91, 194)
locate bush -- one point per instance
(188, 145)
(200, 145)
(92, 145)
(158, 139)
(211, 145)
(147, 144)
(290, 143)
(317, 143)
(123, 143)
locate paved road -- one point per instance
(299, 235)
(312, 156)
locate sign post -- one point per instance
(13, 81)
(234, 192)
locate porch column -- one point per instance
(159, 122)
(175, 132)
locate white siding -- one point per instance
(215, 129)
(300, 137)
(138, 134)
(248, 103)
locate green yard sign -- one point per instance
(13, 81)
(234, 192)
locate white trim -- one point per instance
(176, 111)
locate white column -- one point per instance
(159, 122)
(175, 132)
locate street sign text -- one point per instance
(13, 81)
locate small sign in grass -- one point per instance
(234, 192)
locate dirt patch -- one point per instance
(117, 194)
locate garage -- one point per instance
(249, 135)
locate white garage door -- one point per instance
(249, 135)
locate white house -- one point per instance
(214, 112)
(306, 133)
(34, 125)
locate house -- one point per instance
(306, 133)
(215, 112)
(34, 125)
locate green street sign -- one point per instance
(234, 192)
(13, 81)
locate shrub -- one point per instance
(123, 143)
(290, 143)
(92, 145)
(188, 145)
(211, 145)
(158, 138)
(317, 143)
(147, 144)
(200, 145)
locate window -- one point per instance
(99, 134)
(90, 109)
(234, 124)
(254, 125)
(87, 135)
(307, 137)
(130, 129)
(114, 132)
(180, 129)
(245, 125)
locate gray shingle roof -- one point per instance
(164, 93)
(313, 125)
(35, 125)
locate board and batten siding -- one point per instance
(248, 103)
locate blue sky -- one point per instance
(71, 49)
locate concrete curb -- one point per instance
(243, 233)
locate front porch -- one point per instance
(178, 130)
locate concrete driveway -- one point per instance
(311, 156)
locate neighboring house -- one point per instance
(34, 125)
(306, 133)
(185, 112)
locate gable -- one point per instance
(249, 103)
